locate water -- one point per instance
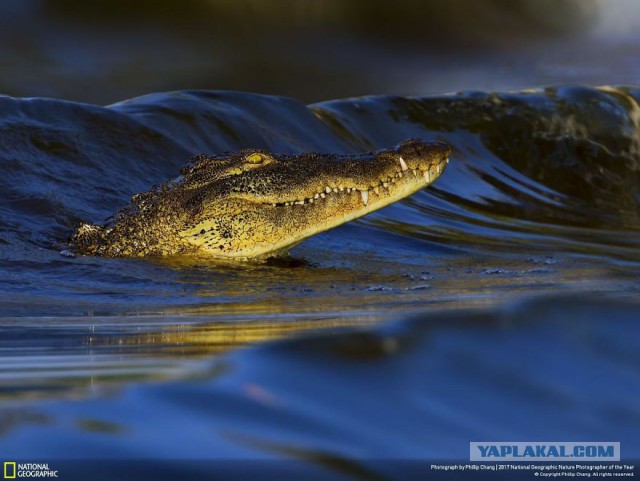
(498, 304)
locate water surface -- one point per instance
(144, 358)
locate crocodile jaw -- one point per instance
(338, 206)
(265, 228)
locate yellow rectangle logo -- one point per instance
(9, 470)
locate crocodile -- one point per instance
(254, 204)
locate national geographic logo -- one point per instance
(9, 470)
(13, 470)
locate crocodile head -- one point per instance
(253, 203)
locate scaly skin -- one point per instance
(255, 204)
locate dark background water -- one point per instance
(104, 51)
(501, 303)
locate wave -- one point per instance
(553, 171)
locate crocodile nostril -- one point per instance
(418, 154)
(441, 148)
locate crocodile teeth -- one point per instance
(403, 164)
(365, 196)
(317, 196)
(415, 173)
(335, 190)
(327, 189)
(427, 176)
(376, 190)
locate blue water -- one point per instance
(501, 303)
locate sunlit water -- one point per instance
(138, 358)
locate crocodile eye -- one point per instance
(255, 158)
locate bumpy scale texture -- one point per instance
(253, 203)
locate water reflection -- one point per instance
(355, 401)
(73, 358)
(68, 357)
